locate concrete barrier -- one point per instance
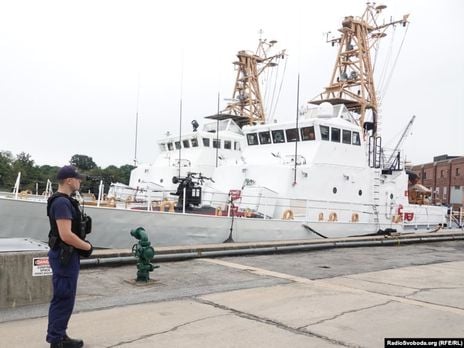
(18, 285)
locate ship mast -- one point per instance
(246, 106)
(352, 81)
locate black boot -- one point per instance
(68, 342)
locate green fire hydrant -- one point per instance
(144, 253)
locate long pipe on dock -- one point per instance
(282, 248)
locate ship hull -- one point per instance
(112, 226)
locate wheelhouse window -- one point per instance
(335, 135)
(356, 139)
(324, 132)
(170, 146)
(346, 136)
(264, 138)
(307, 133)
(252, 139)
(194, 142)
(292, 135)
(206, 142)
(278, 136)
(177, 145)
(237, 146)
(186, 143)
(217, 143)
(227, 144)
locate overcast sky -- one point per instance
(70, 71)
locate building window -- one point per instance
(217, 143)
(278, 136)
(227, 144)
(356, 139)
(324, 132)
(335, 135)
(264, 138)
(292, 135)
(170, 147)
(442, 173)
(457, 172)
(425, 175)
(346, 137)
(237, 146)
(307, 133)
(186, 143)
(177, 143)
(194, 142)
(206, 142)
(252, 139)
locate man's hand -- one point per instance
(86, 253)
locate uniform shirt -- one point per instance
(62, 209)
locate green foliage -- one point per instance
(34, 176)
(6, 170)
(82, 162)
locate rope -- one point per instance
(271, 104)
(386, 64)
(396, 60)
(280, 90)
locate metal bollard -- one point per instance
(144, 253)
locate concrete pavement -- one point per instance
(267, 302)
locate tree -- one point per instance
(6, 170)
(25, 164)
(125, 172)
(82, 162)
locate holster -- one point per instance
(52, 241)
(65, 254)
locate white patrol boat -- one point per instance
(323, 175)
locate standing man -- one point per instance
(68, 228)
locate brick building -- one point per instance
(445, 177)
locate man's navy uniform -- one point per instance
(65, 263)
(64, 276)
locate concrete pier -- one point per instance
(349, 297)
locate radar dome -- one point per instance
(325, 110)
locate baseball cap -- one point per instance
(67, 172)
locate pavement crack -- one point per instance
(379, 282)
(345, 312)
(163, 332)
(277, 324)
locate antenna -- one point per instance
(137, 120)
(352, 80)
(297, 121)
(217, 130)
(180, 108)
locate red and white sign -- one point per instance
(408, 216)
(41, 267)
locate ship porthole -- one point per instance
(334, 190)
(391, 195)
(360, 192)
(161, 180)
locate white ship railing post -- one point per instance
(16, 186)
(149, 200)
(100, 190)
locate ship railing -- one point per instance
(456, 218)
(278, 207)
